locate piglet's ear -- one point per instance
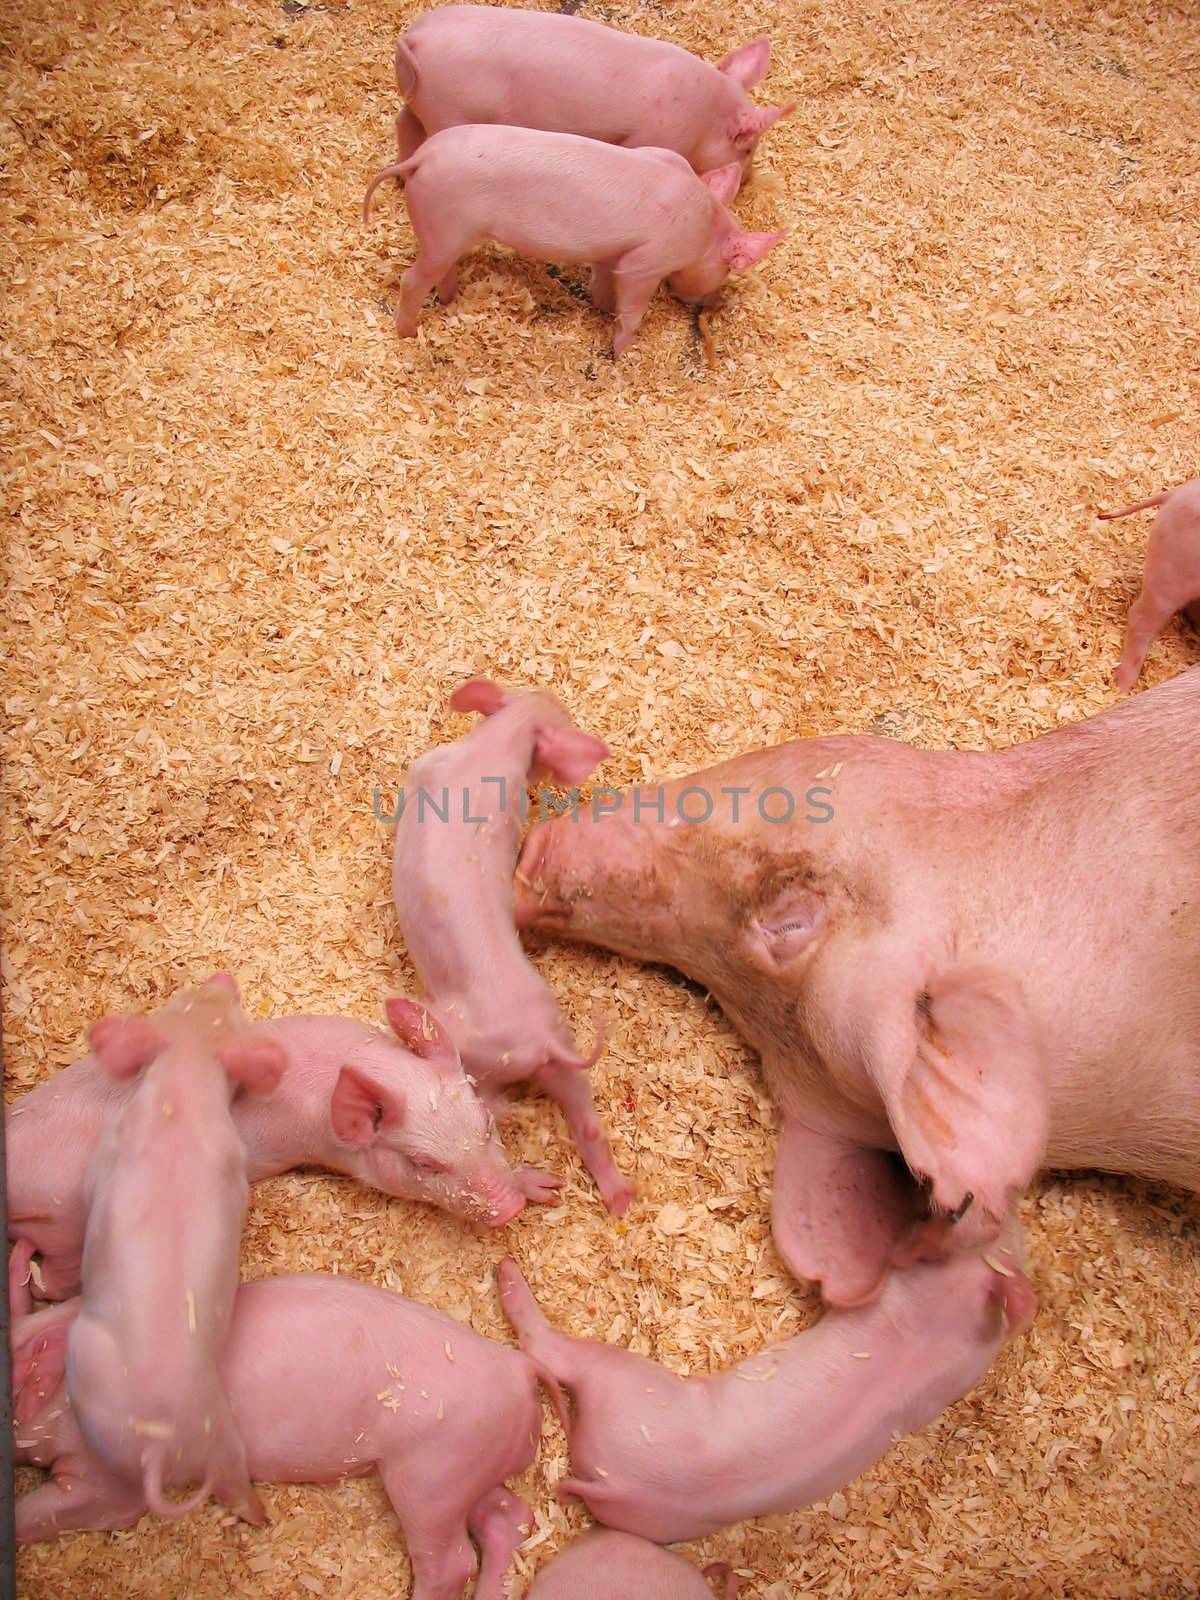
(742, 250)
(255, 1064)
(361, 1108)
(223, 983)
(124, 1045)
(748, 64)
(478, 694)
(966, 1095)
(751, 122)
(724, 182)
(568, 754)
(419, 1030)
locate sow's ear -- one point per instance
(963, 1080)
(124, 1045)
(785, 924)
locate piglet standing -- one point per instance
(166, 1195)
(564, 74)
(636, 216)
(670, 1458)
(1171, 581)
(456, 844)
(328, 1378)
(604, 1565)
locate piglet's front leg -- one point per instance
(499, 1524)
(539, 1188)
(568, 1085)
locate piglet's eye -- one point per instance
(429, 1164)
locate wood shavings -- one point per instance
(998, 1266)
(149, 1429)
(763, 1375)
(254, 541)
(672, 1219)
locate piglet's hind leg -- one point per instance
(231, 1481)
(435, 1529)
(410, 135)
(1146, 619)
(74, 1500)
(425, 272)
(498, 1523)
(551, 1352)
(441, 239)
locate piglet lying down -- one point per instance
(353, 1100)
(605, 1565)
(165, 1195)
(635, 216)
(328, 1378)
(673, 1458)
(456, 844)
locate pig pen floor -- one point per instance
(254, 542)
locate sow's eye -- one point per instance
(429, 1164)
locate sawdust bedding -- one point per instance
(254, 542)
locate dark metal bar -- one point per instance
(8, 1547)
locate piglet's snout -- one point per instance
(492, 1198)
(503, 1211)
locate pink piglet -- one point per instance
(605, 1565)
(565, 74)
(456, 845)
(327, 1378)
(635, 216)
(166, 1194)
(1171, 581)
(670, 1458)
